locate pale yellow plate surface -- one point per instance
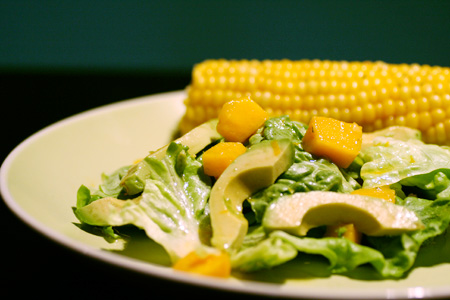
(39, 180)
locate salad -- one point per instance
(248, 192)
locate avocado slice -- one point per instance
(257, 168)
(300, 212)
(196, 139)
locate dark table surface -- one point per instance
(32, 262)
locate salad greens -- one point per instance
(173, 208)
(170, 209)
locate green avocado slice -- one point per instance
(257, 168)
(196, 139)
(373, 216)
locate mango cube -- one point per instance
(383, 192)
(239, 119)
(347, 231)
(338, 141)
(217, 158)
(216, 265)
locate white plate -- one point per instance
(39, 180)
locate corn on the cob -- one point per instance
(373, 94)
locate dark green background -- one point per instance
(59, 58)
(170, 36)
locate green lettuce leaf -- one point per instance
(433, 185)
(389, 160)
(109, 187)
(401, 251)
(279, 247)
(401, 133)
(170, 209)
(260, 251)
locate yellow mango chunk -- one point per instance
(338, 141)
(239, 119)
(217, 158)
(217, 265)
(383, 192)
(347, 231)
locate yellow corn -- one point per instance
(373, 94)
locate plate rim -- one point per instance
(232, 285)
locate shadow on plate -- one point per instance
(136, 244)
(139, 246)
